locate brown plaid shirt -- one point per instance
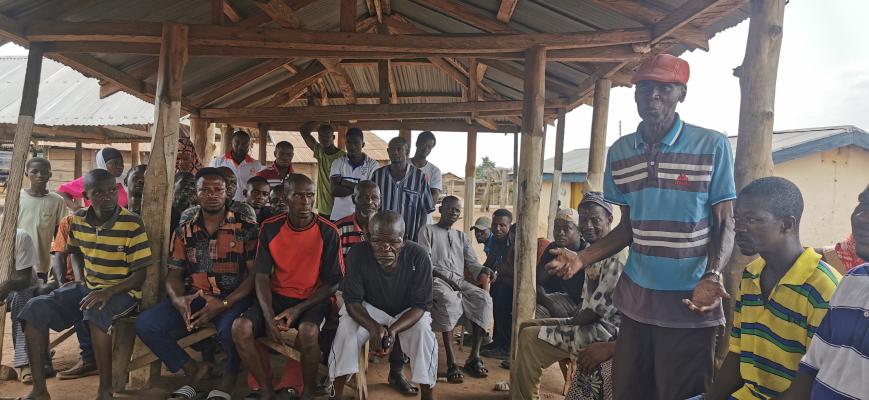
(217, 263)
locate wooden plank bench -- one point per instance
(360, 381)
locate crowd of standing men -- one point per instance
(355, 257)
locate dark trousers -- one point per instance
(502, 302)
(161, 326)
(86, 349)
(656, 363)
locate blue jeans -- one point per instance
(83, 333)
(160, 327)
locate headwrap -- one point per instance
(569, 215)
(186, 149)
(847, 252)
(104, 156)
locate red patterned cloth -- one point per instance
(847, 252)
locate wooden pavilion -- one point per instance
(465, 66)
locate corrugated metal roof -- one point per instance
(201, 74)
(375, 147)
(786, 145)
(67, 98)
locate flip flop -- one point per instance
(476, 368)
(502, 387)
(183, 393)
(218, 395)
(454, 374)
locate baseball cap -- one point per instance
(482, 223)
(663, 68)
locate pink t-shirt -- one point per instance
(75, 188)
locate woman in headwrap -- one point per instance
(109, 159)
(187, 160)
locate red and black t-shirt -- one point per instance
(299, 260)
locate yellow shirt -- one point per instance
(771, 335)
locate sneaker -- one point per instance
(497, 354)
(79, 370)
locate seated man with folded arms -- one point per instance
(454, 296)
(387, 294)
(298, 268)
(596, 320)
(110, 244)
(209, 281)
(782, 298)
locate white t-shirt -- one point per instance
(244, 171)
(25, 252)
(39, 216)
(343, 206)
(435, 181)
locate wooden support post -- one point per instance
(505, 189)
(199, 135)
(470, 179)
(383, 80)
(757, 82)
(161, 170)
(225, 139)
(342, 137)
(597, 148)
(515, 183)
(530, 178)
(556, 172)
(20, 150)
(76, 165)
(263, 145)
(135, 156)
(405, 133)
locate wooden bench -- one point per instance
(131, 356)
(360, 381)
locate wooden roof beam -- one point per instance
(365, 111)
(281, 12)
(468, 15)
(506, 9)
(324, 92)
(230, 83)
(423, 125)
(280, 38)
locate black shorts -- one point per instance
(315, 315)
(59, 309)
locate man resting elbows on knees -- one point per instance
(209, 282)
(387, 293)
(298, 268)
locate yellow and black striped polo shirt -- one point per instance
(111, 251)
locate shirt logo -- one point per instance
(682, 180)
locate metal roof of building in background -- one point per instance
(786, 145)
(414, 83)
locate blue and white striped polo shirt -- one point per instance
(670, 188)
(838, 357)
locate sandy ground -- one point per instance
(85, 388)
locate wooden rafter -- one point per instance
(434, 125)
(281, 12)
(324, 92)
(231, 83)
(468, 15)
(291, 86)
(506, 9)
(649, 15)
(231, 12)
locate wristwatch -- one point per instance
(715, 274)
(225, 302)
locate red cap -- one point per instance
(663, 68)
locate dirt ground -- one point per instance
(85, 388)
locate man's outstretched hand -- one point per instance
(565, 264)
(707, 296)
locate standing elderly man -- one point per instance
(239, 162)
(388, 295)
(454, 297)
(674, 184)
(404, 188)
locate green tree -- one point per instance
(485, 170)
